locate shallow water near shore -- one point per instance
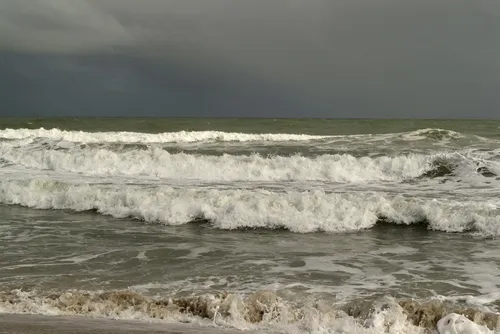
(59, 249)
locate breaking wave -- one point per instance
(158, 163)
(297, 211)
(263, 310)
(145, 138)
(434, 134)
(220, 136)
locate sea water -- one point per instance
(288, 226)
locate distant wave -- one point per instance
(214, 136)
(435, 134)
(136, 137)
(297, 211)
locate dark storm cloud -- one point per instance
(338, 58)
(58, 26)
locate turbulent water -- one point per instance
(317, 226)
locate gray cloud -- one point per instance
(56, 26)
(365, 58)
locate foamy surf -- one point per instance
(262, 310)
(237, 209)
(297, 211)
(145, 138)
(160, 163)
(156, 162)
(428, 134)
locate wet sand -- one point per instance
(36, 324)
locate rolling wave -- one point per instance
(297, 211)
(156, 162)
(434, 134)
(217, 136)
(136, 137)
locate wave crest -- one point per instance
(297, 211)
(434, 135)
(149, 138)
(158, 163)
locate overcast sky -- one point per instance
(276, 58)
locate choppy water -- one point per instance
(378, 219)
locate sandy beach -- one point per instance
(27, 324)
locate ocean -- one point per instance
(263, 225)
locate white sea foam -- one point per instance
(438, 134)
(480, 300)
(145, 138)
(458, 324)
(298, 211)
(263, 310)
(158, 163)
(435, 135)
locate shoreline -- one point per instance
(41, 324)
